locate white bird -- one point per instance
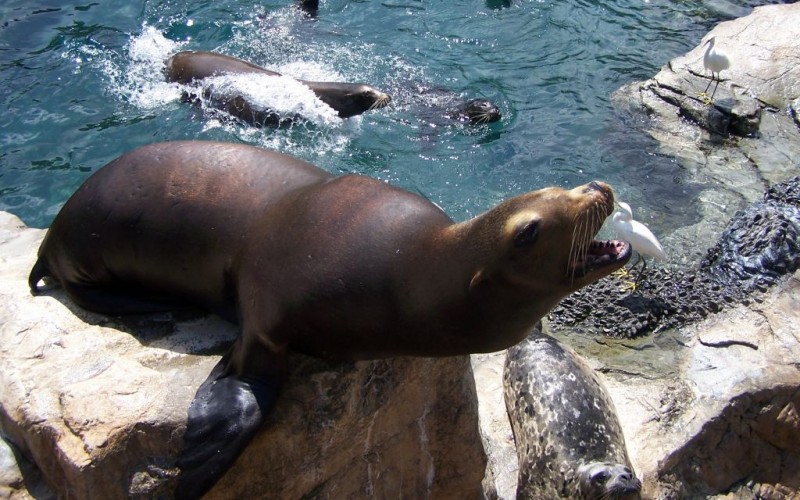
(637, 234)
(714, 60)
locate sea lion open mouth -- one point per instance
(587, 254)
(601, 253)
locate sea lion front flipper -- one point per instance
(225, 414)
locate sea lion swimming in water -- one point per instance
(346, 268)
(309, 7)
(438, 106)
(348, 99)
(476, 111)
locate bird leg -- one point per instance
(704, 94)
(709, 85)
(714, 92)
(625, 275)
(640, 273)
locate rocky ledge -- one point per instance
(754, 114)
(748, 139)
(95, 407)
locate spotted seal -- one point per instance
(569, 442)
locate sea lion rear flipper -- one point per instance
(224, 416)
(39, 271)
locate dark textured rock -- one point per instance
(760, 246)
(785, 192)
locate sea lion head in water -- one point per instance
(349, 99)
(345, 267)
(476, 111)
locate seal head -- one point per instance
(476, 111)
(608, 480)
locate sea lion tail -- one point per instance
(39, 271)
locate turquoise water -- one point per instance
(81, 84)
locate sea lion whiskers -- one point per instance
(383, 101)
(585, 225)
(484, 117)
(581, 239)
(572, 257)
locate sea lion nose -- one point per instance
(595, 186)
(604, 190)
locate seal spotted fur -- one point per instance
(569, 442)
(342, 267)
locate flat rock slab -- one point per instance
(96, 407)
(711, 409)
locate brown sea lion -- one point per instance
(342, 267)
(348, 99)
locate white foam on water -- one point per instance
(295, 139)
(142, 82)
(310, 71)
(282, 94)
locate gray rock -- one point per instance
(748, 138)
(709, 411)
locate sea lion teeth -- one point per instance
(602, 253)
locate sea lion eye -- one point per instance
(527, 234)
